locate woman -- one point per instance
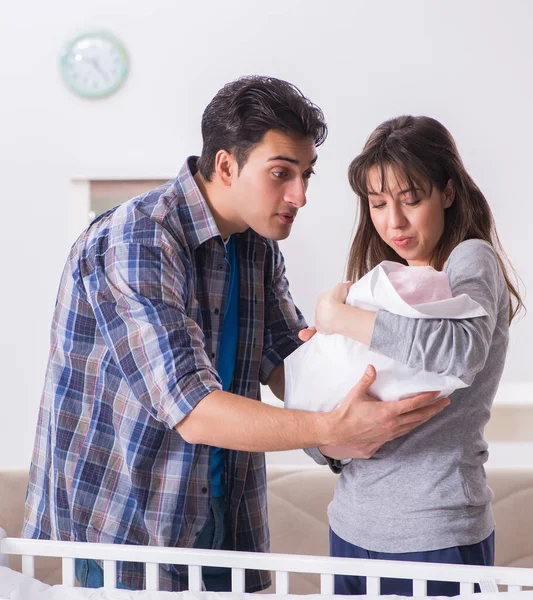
(423, 497)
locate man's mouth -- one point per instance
(286, 218)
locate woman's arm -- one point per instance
(457, 347)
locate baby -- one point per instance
(321, 372)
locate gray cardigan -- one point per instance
(428, 490)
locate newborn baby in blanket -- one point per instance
(322, 371)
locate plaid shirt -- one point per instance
(134, 348)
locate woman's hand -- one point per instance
(329, 307)
(355, 450)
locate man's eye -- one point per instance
(279, 174)
(307, 174)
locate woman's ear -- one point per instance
(449, 194)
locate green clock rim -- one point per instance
(123, 73)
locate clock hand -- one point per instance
(96, 65)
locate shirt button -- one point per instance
(205, 446)
(204, 490)
(212, 355)
(220, 266)
(216, 311)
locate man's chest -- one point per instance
(209, 296)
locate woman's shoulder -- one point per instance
(475, 257)
(473, 250)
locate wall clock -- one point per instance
(94, 65)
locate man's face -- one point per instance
(272, 185)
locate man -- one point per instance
(172, 308)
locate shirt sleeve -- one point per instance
(138, 295)
(456, 347)
(335, 465)
(283, 320)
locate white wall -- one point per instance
(467, 63)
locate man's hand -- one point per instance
(306, 334)
(362, 419)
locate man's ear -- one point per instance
(225, 167)
(449, 194)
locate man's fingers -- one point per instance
(361, 388)
(367, 379)
(410, 404)
(423, 414)
(306, 334)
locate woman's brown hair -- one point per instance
(421, 151)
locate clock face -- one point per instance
(94, 65)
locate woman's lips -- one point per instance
(402, 242)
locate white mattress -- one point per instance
(15, 586)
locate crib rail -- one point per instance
(281, 564)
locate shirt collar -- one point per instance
(202, 223)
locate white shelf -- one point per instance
(510, 454)
(519, 394)
(113, 174)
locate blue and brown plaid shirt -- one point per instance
(134, 348)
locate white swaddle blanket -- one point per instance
(322, 371)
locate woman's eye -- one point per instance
(413, 202)
(377, 205)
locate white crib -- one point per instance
(489, 578)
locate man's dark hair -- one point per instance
(244, 110)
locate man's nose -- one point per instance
(296, 194)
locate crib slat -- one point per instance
(152, 577)
(282, 582)
(373, 586)
(110, 574)
(466, 587)
(237, 580)
(195, 578)
(28, 566)
(488, 585)
(420, 587)
(68, 576)
(514, 588)
(327, 584)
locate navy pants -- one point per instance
(476, 554)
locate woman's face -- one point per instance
(410, 221)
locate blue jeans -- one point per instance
(476, 554)
(91, 575)
(215, 535)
